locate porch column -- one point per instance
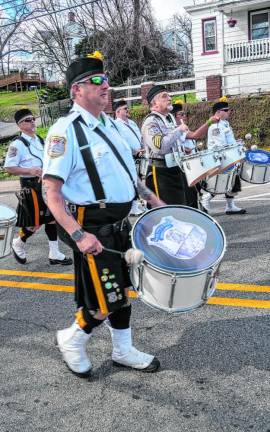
(213, 87)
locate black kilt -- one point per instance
(172, 186)
(31, 209)
(110, 225)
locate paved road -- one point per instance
(215, 360)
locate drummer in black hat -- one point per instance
(132, 134)
(219, 135)
(160, 135)
(91, 181)
(25, 159)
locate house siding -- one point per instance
(245, 77)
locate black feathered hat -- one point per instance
(177, 106)
(219, 106)
(154, 91)
(22, 113)
(119, 104)
(84, 67)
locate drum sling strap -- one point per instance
(89, 160)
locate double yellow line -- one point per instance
(221, 301)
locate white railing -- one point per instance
(174, 86)
(247, 51)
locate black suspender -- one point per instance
(89, 160)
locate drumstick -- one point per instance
(132, 256)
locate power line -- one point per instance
(52, 13)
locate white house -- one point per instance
(231, 40)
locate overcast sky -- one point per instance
(165, 9)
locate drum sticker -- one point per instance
(181, 240)
(57, 146)
(258, 157)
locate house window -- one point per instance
(259, 25)
(209, 35)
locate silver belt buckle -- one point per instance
(102, 204)
(72, 208)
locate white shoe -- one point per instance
(231, 208)
(57, 257)
(72, 344)
(124, 354)
(18, 248)
(206, 201)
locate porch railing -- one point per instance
(247, 51)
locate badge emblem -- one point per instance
(105, 271)
(57, 146)
(181, 240)
(108, 285)
(12, 151)
(104, 278)
(112, 297)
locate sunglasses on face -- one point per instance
(96, 80)
(28, 120)
(226, 109)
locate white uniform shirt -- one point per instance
(133, 137)
(19, 155)
(63, 159)
(220, 134)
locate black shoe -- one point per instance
(153, 367)
(230, 212)
(65, 261)
(17, 258)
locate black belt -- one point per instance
(159, 163)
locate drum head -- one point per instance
(258, 157)
(179, 239)
(6, 213)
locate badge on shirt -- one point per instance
(12, 151)
(215, 132)
(157, 141)
(57, 146)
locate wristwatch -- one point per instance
(77, 235)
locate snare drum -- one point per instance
(231, 155)
(256, 167)
(7, 224)
(183, 248)
(200, 165)
(221, 183)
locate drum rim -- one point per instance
(14, 217)
(194, 272)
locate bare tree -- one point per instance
(183, 24)
(11, 32)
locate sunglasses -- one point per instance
(96, 80)
(226, 109)
(28, 120)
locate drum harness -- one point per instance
(94, 178)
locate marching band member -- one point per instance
(221, 134)
(160, 135)
(132, 134)
(25, 158)
(89, 165)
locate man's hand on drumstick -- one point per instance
(88, 243)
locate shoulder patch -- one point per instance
(157, 141)
(215, 132)
(12, 151)
(56, 146)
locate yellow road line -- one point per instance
(237, 302)
(64, 276)
(35, 286)
(243, 287)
